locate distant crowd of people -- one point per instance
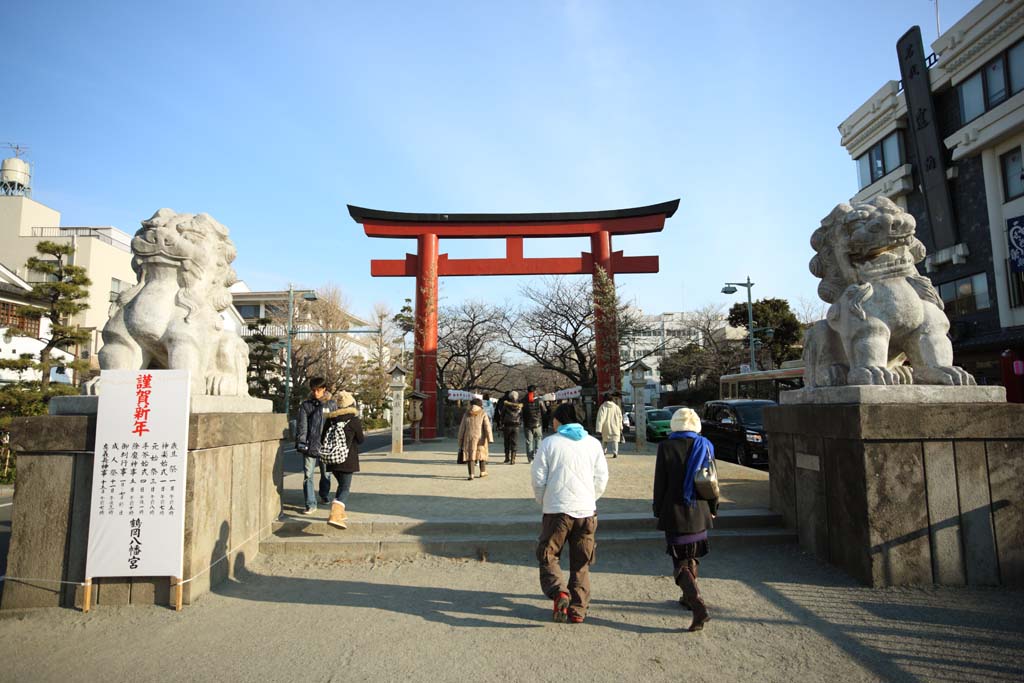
(568, 471)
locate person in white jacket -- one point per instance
(569, 474)
(609, 425)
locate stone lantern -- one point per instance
(638, 379)
(397, 387)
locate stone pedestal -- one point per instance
(235, 478)
(900, 494)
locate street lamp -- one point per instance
(638, 379)
(307, 295)
(730, 288)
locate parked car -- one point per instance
(736, 428)
(659, 423)
(672, 409)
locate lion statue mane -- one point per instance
(171, 317)
(884, 314)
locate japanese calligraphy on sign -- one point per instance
(137, 521)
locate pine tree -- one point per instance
(60, 296)
(266, 372)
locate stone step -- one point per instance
(405, 546)
(374, 528)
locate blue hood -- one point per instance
(573, 430)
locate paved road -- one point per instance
(293, 463)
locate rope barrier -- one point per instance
(188, 580)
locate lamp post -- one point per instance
(397, 387)
(307, 295)
(730, 288)
(638, 379)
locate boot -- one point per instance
(483, 469)
(513, 461)
(682, 599)
(686, 579)
(469, 465)
(338, 515)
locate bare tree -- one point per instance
(470, 353)
(712, 354)
(810, 311)
(556, 329)
(331, 356)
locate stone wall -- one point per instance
(235, 476)
(904, 494)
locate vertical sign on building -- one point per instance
(137, 513)
(1015, 243)
(923, 130)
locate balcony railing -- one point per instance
(93, 233)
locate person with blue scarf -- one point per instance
(682, 514)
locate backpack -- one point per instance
(334, 448)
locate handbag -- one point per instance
(334, 449)
(705, 482)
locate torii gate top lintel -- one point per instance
(427, 264)
(396, 224)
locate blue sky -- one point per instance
(273, 116)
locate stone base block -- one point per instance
(907, 393)
(232, 499)
(86, 405)
(904, 494)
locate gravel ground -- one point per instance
(776, 616)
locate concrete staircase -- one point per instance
(368, 538)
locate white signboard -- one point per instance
(571, 392)
(137, 522)
(462, 395)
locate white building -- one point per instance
(14, 294)
(104, 252)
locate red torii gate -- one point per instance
(426, 265)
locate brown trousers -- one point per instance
(556, 531)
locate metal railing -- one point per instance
(93, 233)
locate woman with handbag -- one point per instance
(474, 436)
(343, 432)
(685, 503)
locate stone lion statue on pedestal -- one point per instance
(171, 317)
(884, 313)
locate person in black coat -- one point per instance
(684, 517)
(347, 418)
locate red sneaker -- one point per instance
(575, 618)
(561, 608)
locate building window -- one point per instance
(993, 84)
(1015, 62)
(249, 311)
(1013, 183)
(884, 157)
(9, 317)
(966, 295)
(118, 286)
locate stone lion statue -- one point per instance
(884, 313)
(171, 317)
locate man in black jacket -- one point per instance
(533, 420)
(309, 430)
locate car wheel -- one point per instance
(741, 456)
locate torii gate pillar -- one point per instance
(606, 332)
(425, 334)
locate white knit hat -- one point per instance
(685, 420)
(514, 395)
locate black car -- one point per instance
(736, 428)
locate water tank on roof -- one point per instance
(15, 178)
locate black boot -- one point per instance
(686, 579)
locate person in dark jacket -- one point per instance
(309, 432)
(511, 417)
(345, 417)
(684, 517)
(533, 417)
